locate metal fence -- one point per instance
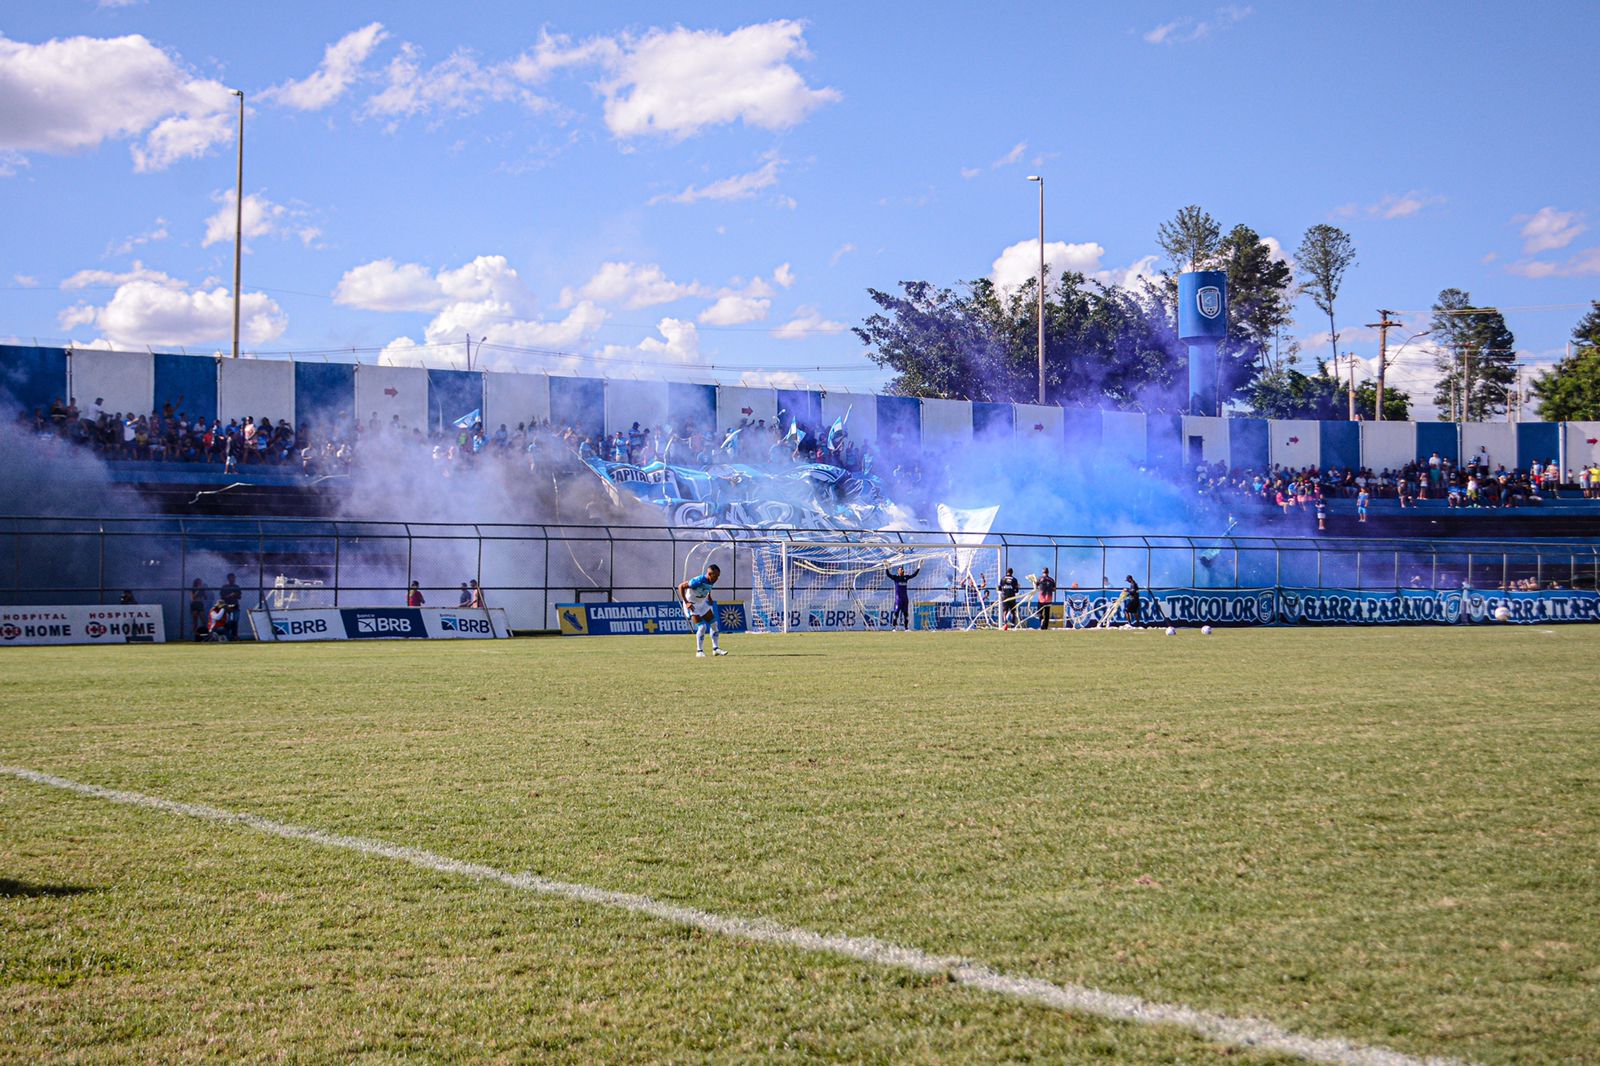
(528, 569)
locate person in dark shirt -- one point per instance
(1045, 589)
(1009, 588)
(1132, 605)
(199, 607)
(902, 596)
(230, 594)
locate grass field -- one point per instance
(1389, 836)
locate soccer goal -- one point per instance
(800, 585)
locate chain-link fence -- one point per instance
(528, 569)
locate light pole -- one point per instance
(1040, 179)
(238, 224)
(1387, 361)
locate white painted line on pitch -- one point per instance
(1238, 1032)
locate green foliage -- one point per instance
(1570, 392)
(1325, 253)
(1260, 305)
(1476, 349)
(1396, 403)
(1103, 345)
(1192, 240)
(1290, 394)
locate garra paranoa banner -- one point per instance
(1387, 607)
(639, 618)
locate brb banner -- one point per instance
(132, 624)
(379, 623)
(650, 618)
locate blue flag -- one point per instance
(837, 430)
(467, 421)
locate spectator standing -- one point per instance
(197, 608)
(414, 595)
(466, 596)
(1045, 590)
(475, 597)
(229, 596)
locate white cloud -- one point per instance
(557, 52)
(458, 84)
(1019, 264)
(775, 379)
(679, 342)
(678, 82)
(783, 275)
(1187, 29)
(261, 218)
(738, 187)
(90, 279)
(1276, 249)
(341, 65)
(72, 94)
(157, 232)
(1548, 229)
(840, 252)
(970, 172)
(1580, 264)
(1010, 157)
(632, 285)
(381, 285)
(150, 309)
(1390, 207)
(734, 310)
(807, 320)
(25, 281)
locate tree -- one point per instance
(1259, 307)
(1570, 392)
(1476, 356)
(1291, 394)
(1396, 404)
(1192, 240)
(1103, 344)
(1325, 253)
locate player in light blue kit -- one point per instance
(702, 609)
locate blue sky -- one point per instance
(708, 192)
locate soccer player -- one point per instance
(902, 598)
(1045, 590)
(702, 609)
(1009, 588)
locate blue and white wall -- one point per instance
(417, 397)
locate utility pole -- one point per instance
(238, 224)
(1352, 357)
(1383, 329)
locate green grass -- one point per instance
(1391, 836)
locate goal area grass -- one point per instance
(1389, 836)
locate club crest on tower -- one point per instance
(1209, 300)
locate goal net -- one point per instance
(846, 584)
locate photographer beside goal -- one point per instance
(701, 609)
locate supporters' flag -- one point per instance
(732, 439)
(470, 419)
(966, 526)
(837, 429)
(796, 435)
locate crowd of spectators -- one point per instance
(1473, 484)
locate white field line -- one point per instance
(1238, 1032)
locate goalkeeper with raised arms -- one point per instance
(902, 598)
(701, 609)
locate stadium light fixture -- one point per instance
(1040, 179)
(238, 224)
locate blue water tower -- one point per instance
(1202, 322)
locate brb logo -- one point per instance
(1208, 300)
(288, 628)
(473, 626)
(380, 622)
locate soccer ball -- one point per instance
(1205, 631)
(1502, 614)
(1171, 631)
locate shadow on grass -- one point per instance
(10, 889)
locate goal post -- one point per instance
(815, 584)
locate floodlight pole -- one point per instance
(1040, 179)
(238, 224)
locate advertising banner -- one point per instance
(646, 619)
(379, 623)
(1532, 608)
(132, 624)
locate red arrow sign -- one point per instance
(1593, 440)
(1294, 440)
(747, 410)
(391, 391)
(1038, 427)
